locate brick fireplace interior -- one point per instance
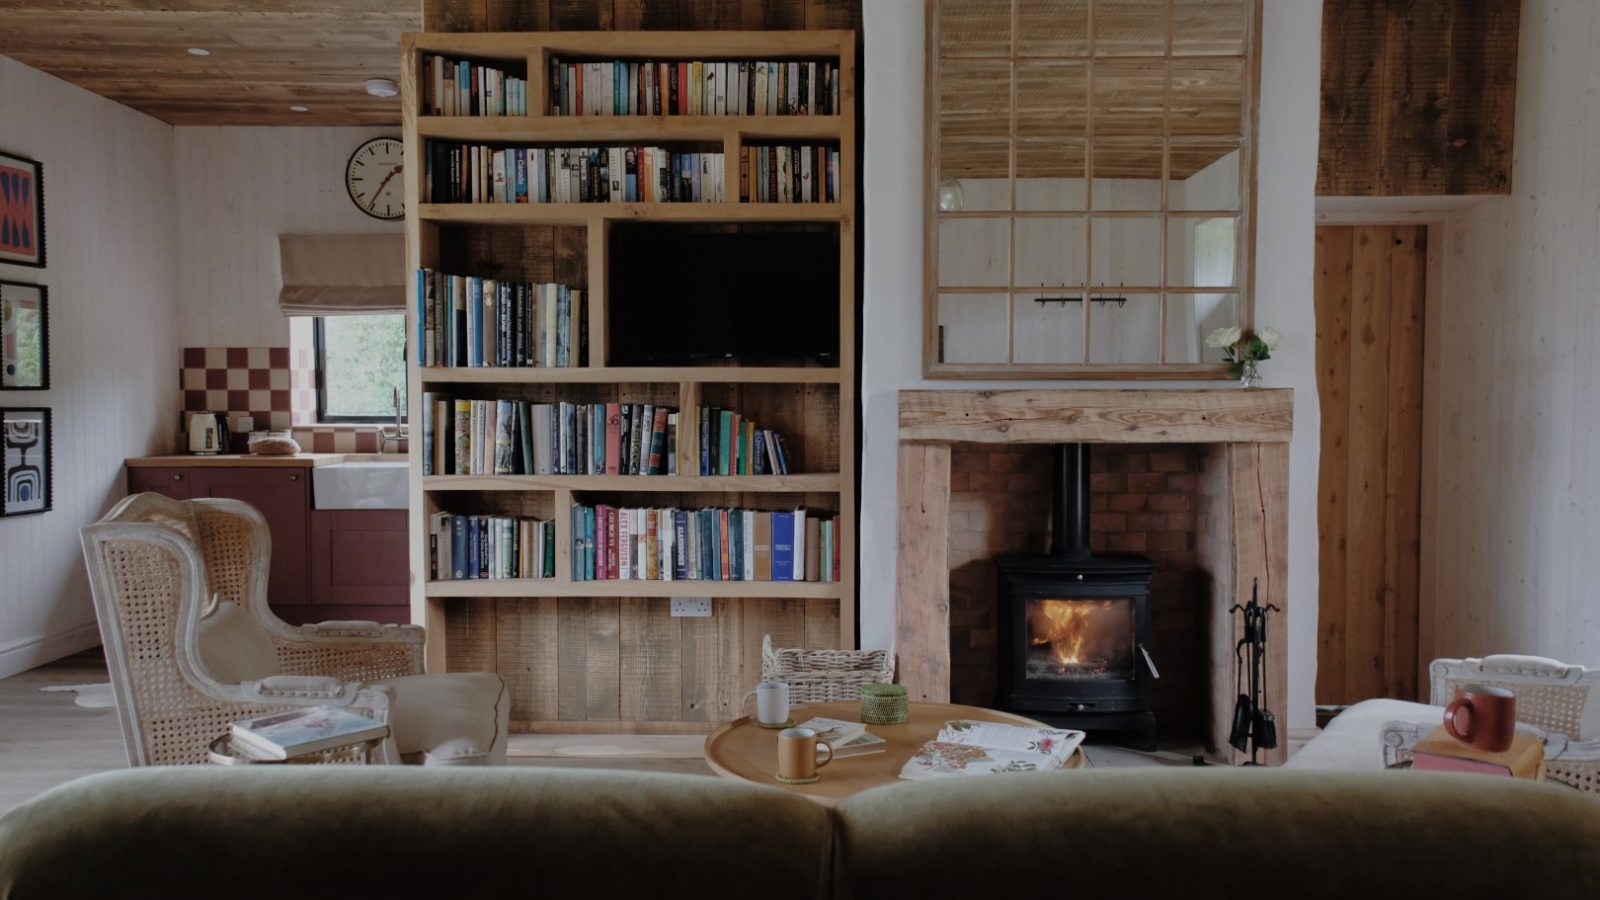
(1144, 499)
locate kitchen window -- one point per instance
(360, 364)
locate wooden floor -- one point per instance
(46, 739)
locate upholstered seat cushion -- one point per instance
(1353, 739)
(234, 648)
(450, 719)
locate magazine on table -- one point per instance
(965, 747)
(302, 731)
(846, 738)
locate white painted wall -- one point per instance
(1519, 479)
(892, 349)
(241, 188)
(110, 221)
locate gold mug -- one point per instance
(797, 755)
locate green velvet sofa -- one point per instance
(304, 832)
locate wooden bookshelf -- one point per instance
(576, 653)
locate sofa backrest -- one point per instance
(311, 832)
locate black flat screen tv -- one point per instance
(685, 296)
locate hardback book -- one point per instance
(846, 738)
(304, 731)
(1439, 752)
(782, 547)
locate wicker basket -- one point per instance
(884, 704)
(821, 676)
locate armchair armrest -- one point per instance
(352, 650)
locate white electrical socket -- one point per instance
(691, 606)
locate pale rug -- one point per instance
(89, 696)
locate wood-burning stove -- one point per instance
(1074, 625)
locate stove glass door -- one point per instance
(1081, 639)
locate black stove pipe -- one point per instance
(1070, 502)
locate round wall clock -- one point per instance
(373, 176)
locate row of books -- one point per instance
(517, 437)
(631, 544)
(805, 174)
(733, 445)
(458, 87)
(693, 88)
(476, 173)
(464, 320)
(461, 548)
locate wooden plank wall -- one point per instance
(638, 15)
(1369, 301)
(1418, 97)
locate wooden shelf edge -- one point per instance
(636, 374)
(554, 129)
(824, 482)
(584, 213)
(562, 587)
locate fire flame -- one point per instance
(1063, 627)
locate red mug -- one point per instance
(1482, 716)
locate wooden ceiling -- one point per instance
(266, 55)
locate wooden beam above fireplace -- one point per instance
(1050, 416)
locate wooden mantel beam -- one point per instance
(1261, 416)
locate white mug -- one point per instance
(772, 702)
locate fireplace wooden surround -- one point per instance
(1243, 516)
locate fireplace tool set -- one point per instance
(1255, 728)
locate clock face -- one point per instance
(374, 177)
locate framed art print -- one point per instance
(24, 337)
(21, 211)
(25, 463)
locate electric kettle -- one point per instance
(208, 433)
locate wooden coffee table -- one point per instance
(744, 750)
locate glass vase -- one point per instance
(1249, 374)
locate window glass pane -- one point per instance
(975, 27)
(974, 252)
(1201, 252)
(1209, 27)
(1127, 173)
(1130, 27)
(1127, 251)
(1053, 27)
(1207, 97)
(974, 175)
(1130, 97)
(1190, 317)
(363, 362)
(1048, 328)
(1124, 328)
(1050, 175)
(1205, 175)
(972, 328)
(975, 99)
(1050, 252)
(1051, 98)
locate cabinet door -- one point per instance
(283, 498)
(359, 563)
(170, 481)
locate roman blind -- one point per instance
(342, 274)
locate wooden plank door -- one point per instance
(1369, 305)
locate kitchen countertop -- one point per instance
(298, 460)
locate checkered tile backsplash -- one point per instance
(275, 386)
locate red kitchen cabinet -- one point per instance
(359, 566)
(170, 481)
(283, 496)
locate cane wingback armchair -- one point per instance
(1558, 702)
(157, 568)
(822, 676)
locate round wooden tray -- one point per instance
(742, 750)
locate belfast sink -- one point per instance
(359, 485)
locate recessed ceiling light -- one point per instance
(299, 109)
(382, 87)
(199, 51)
